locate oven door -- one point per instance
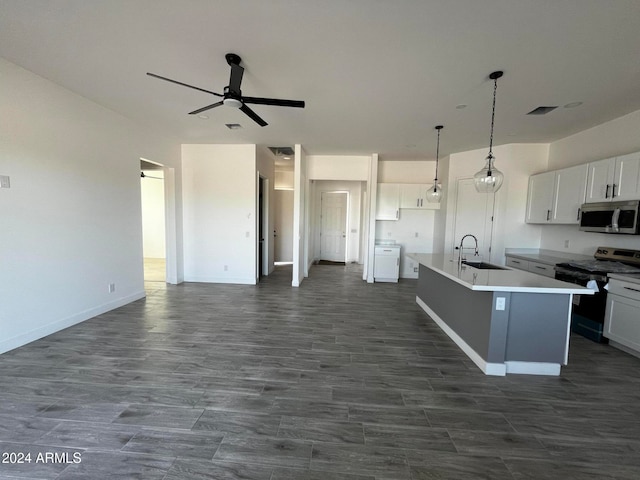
(588, 311)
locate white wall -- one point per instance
(617, 137)
(300, 209)
(284, 180)
(219, 195)
(71, 221)
(517, 162)
(153, 221)
(406, 171)
(338, 167)
(354, 190)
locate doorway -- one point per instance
(333, 226)
(474, 216)
(152, 193)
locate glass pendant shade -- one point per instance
(489, 179)
(434, 194)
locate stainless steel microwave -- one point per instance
(611, 217)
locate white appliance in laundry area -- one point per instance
(386, 267)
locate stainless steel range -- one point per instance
(589, 310)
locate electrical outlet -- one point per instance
(415, 269)
(566, 244)
(226, 268)
(112, 287)
(416, 234)
(5, 181)
(500, 303)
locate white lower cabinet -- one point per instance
(386, 264)
(622, 317)
(531, 266)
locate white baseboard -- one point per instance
(497, 369)
(533, 368)
(28, 337)
(238, 281)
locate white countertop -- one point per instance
(508, 280)
(548, 257)
(628, 277)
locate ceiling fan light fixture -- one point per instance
(232, 102)
(434, 194)
(489, 179)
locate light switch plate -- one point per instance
(500, 303)
(5, 181)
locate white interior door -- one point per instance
(474, 213)
(333, 226)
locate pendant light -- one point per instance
(489, 179)
(434, 194)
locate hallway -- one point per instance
(335, 380)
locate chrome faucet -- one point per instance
(461, 249)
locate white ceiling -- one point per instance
(376, 75)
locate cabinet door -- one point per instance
(627, 177)
(600, 180)
(388, 201)
(540, 199)
(570, 190)
(412, 195)
(622, 321)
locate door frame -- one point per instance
(262, 220)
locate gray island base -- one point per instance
(506, 321)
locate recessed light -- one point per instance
(287, 158)
(461, 106)
(203, 117)
(573, 104)
(233, 126)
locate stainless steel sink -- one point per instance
(483, 265)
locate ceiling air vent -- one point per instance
(233, 126)
(541, 110)
(282, 151)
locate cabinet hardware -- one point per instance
(578, 216)
(606, 193)
(421, 200)
(613, 191)
(397, 214)
(541, 268)
(516, 261)
(548, 215)
(417, 202)
(632, 289)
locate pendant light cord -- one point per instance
(437, 153)
(494, 76)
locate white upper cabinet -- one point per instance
(614, 179)
(388, 201)
(570, 188)
(627, 177)
(556, 197)
(414, 196)
(540, 198)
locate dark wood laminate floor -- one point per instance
(337, 379)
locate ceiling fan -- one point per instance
(232, 95)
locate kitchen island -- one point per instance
(505, 320)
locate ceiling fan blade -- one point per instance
(208, 107)
(184, 84)
(253, 115)
(273, 101)
(236, 78)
